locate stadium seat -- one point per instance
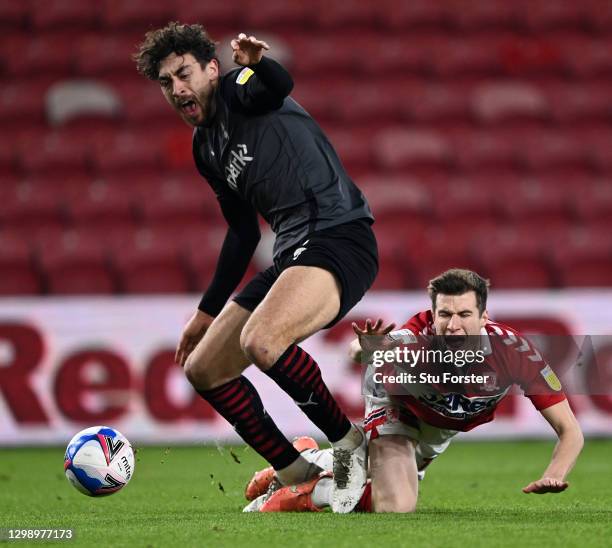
(63, 14)
(545, 150)
(135, 13)
(593, 202)
(277, 14)
(553, 15)
(586, 57)
(506, 102)
(213, 15)
(22, 103)
(127, 152)
(475, 150)
(13, 15)
(580, 103)
(100, 55)
(150, 262)
(466, 56)
(487, 16)
(409, 149)
(75, 264)
(512, 259)
(39, 55)
(101, 205)
(434, 103)
(391, 277)
(26, 206)
(53, 152)
(417, 14)
(19, 277)
(583, 259)
(354, 147)
(340, 15)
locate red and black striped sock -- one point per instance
(299, 375)
(238, 403)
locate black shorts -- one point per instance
(348, 251)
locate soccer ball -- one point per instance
(99, 461)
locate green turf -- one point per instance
(471, 497)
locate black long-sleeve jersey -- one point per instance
(261, 152)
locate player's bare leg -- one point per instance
(303, 300)
(395, 485)
(214, 368)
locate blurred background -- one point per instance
(479, 130)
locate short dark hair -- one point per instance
(458, 281)
(173, 38)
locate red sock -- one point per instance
(365, 502)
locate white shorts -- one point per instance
(385, 417)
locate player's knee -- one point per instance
(258, 346)
(199, 372)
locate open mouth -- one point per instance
(189, 107)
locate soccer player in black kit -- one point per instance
(261, 152)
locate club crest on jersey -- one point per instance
(490, 384)
(237, 163)
(551, 378)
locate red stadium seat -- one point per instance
(512, 259)
(175, 202)
(598, 14)
(397, 55)
(101, 205)
(26, 206)
(553, 15)
(106, 54)
(19, 277)
(54, 152)
(391, 277)
(475, 150)
(580, 103)
(46, 54)
(13, 15)
(397, 197)
(466, 56)
(583, 258)
(409, 149)
(593, 202)
(211, 14)
(354, 148)
(588, 57)
(127, 153)
(339, 15)
(485, 16)
(504, 102)
(150, 262)
(416, 14)
(434, 103)
(121, 14)
(75, 264)
(65, 14)
(545, 150)
(22, 103)
(532, 199)
(275, 14)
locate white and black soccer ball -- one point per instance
(99, 461)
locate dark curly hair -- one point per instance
(458, 281)
(173, 38)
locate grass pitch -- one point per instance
(193, 496)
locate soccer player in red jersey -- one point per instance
(410, 426)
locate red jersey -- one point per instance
(510, 360)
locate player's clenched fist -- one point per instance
(192, 334)
(546, 485)
(247, 50)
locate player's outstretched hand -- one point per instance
(192, 333)
(546, 485)
(247, 50)
(373, 337)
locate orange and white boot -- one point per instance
(261, 480)
(294, 498)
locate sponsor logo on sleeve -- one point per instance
(551, 379)
(243, 76)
